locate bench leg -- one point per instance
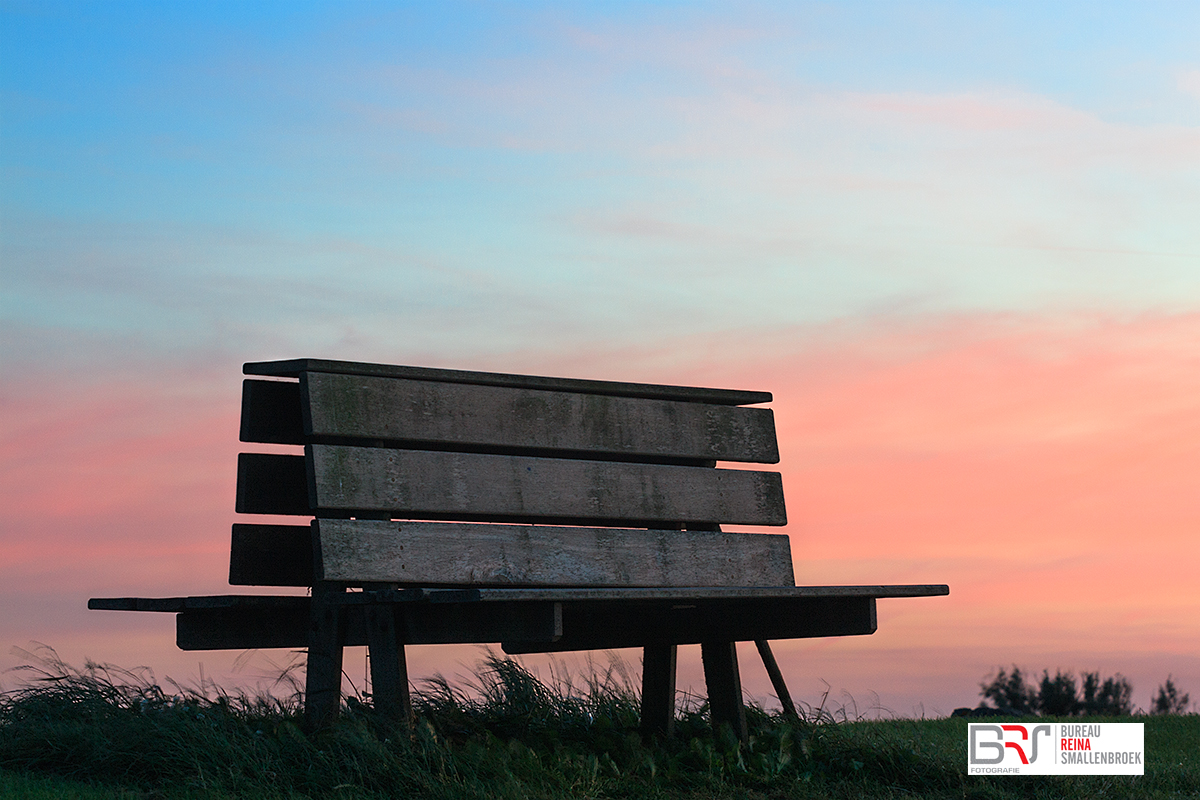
(781, 690)
(724, 686)
(658, 690)
(323, 681)
(389, 673)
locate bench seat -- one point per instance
(538, 620)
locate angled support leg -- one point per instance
(781, 690)
(326, 638)
(658, 690)
(724, 686)
(389, 673)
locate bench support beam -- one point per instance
(776, 676)
(658, 690)
(389, 672)
(724, 686)
(326, 639)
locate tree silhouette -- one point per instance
(1059, 696)
(1111, 698)
(1169, 701)
(1009, 691)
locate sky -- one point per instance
(956, 241)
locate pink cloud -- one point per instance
(971, 112)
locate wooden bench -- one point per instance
(545, 514)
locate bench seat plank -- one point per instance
(439, 596)
(293, 368)
(687, 593)
(474, 486)
(682, 594)
(174, 604)
(447, 554)
(511, 420)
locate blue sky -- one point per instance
(960, 236)
(174, 167)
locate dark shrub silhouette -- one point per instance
(1058, 696)
(1111, 698)
(1169, 700)
(1009, 691)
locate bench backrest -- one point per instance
(448, 478)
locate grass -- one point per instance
(100, 732)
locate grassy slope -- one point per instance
(102, 734)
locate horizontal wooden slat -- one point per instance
(271, 412)
(246, 628)
(449, 554)
(654, 594)
(269, 483)
(295, 367)
(474, 486)
(233, 601)
(613, 625)
(271, 555)
(646, 597)
(530, 421)
(112, 604)
(684, 594)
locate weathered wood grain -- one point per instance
(449, 554)
(474, 486)
(530, 421)
(293, 368)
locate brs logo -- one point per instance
(1007, 737)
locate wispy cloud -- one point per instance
(1189, 82)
